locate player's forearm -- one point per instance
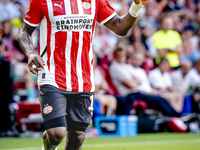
(124, 24)
(35, 62)
(127, 21)
(25, 41)
(121, 25)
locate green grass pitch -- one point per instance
(156, 141)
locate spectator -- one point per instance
(194, 74)
(148, 23)
(8, 10)
(23, 75)
(161, 5)
(121, 75)
(172, 5)
(195, 54)
(179, 77)
(168, 42)
(137, 59)
(101, 86)
(127, 85)
(8, 39)
(102, 45)
(161, 80)
(5, 34)
(23, 4)
(187, 44)
(21, 72)
(145, 87)
(135, 34)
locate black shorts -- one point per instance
(63, 108)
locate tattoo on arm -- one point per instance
(25, 39)
(26, 44)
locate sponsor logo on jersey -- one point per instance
(86, 5)
(55, 4)
(47, 109)
(74, 23)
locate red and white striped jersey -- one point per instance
(67, 28)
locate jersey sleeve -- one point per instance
(105, 13)
(33, 15)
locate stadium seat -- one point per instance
(25, 109)
(148, 65)
(32, 118)
(19, 85)
(111, 89)
(139, 105)
(107, 60)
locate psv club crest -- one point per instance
(47, 109)
(86, 5)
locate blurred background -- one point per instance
(153, 72)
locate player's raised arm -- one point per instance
(121, 25)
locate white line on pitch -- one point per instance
(144, 143)
(196, 140)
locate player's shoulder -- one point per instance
(101, 2)
(35, 3)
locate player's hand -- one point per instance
(35, 62)
(143, 2)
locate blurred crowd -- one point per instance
(158, 61)
(158, 57)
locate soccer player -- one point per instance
(64, 61)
